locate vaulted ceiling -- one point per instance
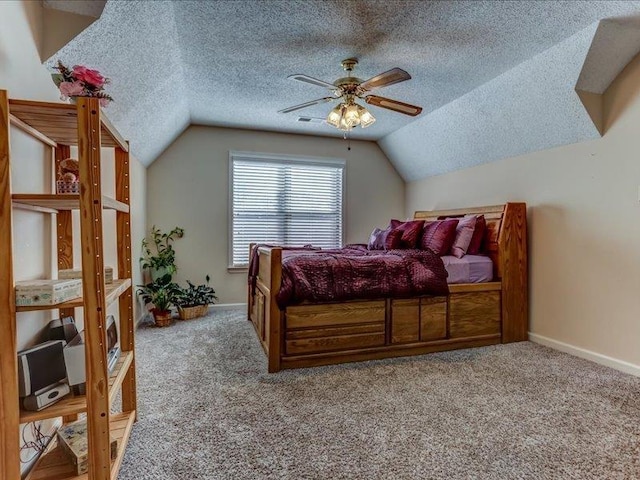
(495, 78)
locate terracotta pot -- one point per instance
(162, 318)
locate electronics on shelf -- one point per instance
(42, 374)
(74, 354)
(62, 329)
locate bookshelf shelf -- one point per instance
(75, 405)
(53, 464)
(112, 293)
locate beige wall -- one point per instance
(22, 74)
(188, 186)
(584, 226)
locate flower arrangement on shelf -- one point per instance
(81, 81)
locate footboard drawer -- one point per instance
(330, 327)
(474, 314)
(334, 314)
(327, 343)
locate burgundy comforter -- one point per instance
(354, 272)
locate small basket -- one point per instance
(67, 187)
(188, 313)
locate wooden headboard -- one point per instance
(506, 224)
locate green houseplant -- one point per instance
(162, 296)
(158, 255)
(194, 301)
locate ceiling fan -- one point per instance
(348, 113)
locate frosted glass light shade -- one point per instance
(366, 118)
(334, 116)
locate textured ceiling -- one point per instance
(225, 63)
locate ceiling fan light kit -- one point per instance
(348, 113)
(345, 116)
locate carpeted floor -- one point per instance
(208, 410)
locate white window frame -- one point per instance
(280, 158)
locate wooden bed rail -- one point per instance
(265, 306)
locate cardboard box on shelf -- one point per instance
(72, 437)
(77, 273)
(47, 292)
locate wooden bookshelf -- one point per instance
(54, 465)
(59, 126)
(112, 293)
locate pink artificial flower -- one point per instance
(88, 76)
(71, 89)
(104, 102)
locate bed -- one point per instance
(473, 313)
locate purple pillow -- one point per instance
(411, 232)
(378, 238)
(464, 234)
(439, 235)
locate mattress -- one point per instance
(468, 269)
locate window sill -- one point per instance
(237, 269)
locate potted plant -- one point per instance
(194, 301)
(162, 296)
(158, 254)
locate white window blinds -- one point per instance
(284, 201)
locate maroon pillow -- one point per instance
(478, 234)
(394, 239)
(411, 232)
(464, 233)
(439, 235)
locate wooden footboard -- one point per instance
(471, 315)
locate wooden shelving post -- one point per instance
(127, 324)
(93, 288)
(9, 407)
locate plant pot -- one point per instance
(188, 313)
(162, 318)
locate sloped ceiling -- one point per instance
(495, 78)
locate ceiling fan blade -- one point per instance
(394, 105)
(312, 120)
(395, 75)
(305, 105)
(312, 81)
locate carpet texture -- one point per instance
(209, 410)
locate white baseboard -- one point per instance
(620, 365)
(228, 306)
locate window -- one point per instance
(285, 201)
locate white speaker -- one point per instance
(40, 367)
(45, 397)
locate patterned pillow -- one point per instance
(439, 235)
(378, 238)
(464, 234)
(411, 232)
(478, 235)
